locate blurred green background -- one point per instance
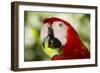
(33, 22)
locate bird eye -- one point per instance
(60, 24)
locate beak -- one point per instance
(50, 32)
(51, 40)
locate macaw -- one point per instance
(59, 34)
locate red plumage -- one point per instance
(74, 48)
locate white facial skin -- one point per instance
(59, 30)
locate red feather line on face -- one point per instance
(74, 48)
(54, 19)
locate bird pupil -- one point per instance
(60, 25)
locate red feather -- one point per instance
(74, 48)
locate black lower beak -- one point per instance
(54, 43)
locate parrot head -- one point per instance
(55, 32)
(59, 34)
